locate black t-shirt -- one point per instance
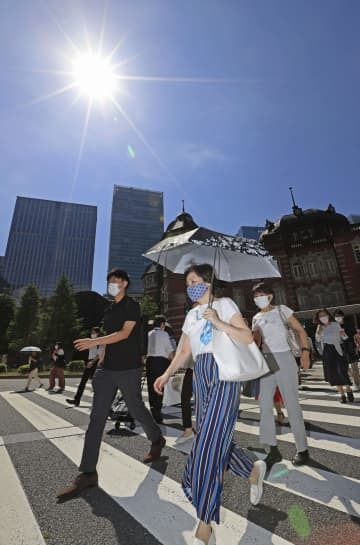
(125, 354)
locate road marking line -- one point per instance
(131, 483)
(17, 522)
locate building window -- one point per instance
(313, 269)
(356, 250)
(298, 270)
(280, 295)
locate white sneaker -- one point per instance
(183, 438)
(256, 490)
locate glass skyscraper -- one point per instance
(49, 239)
(137, 222)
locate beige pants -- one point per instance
(33, 375)
(355, 373)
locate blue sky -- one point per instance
(290, 115)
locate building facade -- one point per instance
(137, 222)
(318, 253)
(168, 290)
(49, 239)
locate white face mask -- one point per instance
(93, 336)
(56, 346)
(114, 289)
(339, 319)
(324, 320)
(262, 301)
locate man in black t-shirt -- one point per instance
(119, 367)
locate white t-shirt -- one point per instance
(94, 352)
(272, 328)
(159, 343)
(194, 323)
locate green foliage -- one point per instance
(76, 365)
(24, 369)
(3, 368)
(7, 311)
(62, 322)
(148, 307)
(24, 329)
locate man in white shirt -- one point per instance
(159, 354)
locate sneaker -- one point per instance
(49, 389)
(273, 457)
(41, 385)
(73, 402)
(60, 390)
(155, 451)
(350, 396)
(343, 399)
(301, 458)
(26, 390)
(256, 490)
(184, 438)
(82, 481)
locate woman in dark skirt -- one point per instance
(328, 333)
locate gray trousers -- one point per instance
(287, 381)
(105, 384)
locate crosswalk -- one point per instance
(136, 504)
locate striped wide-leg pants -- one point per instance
(213, 450)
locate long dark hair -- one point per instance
(205, 271)
(317, 316)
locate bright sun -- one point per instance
(94, 76)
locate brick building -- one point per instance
(168, 289)
(318, 253)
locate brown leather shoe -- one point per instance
(81, 482)
(155, 451)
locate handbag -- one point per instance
(172, 391)
(271, 361)
(236, 361)
(292, 337)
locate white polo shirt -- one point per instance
(159, 344)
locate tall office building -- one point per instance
(49, 239)
(137, 222)
(250, 232)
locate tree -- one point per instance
(63, 323)
(148, 307)
(7, 310)
(24, 329)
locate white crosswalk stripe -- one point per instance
(17, 522)
(131, 483)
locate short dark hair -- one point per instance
(118, 273)
(96, 329)
(264, 288)
(317, 315)
(158, 320)
(205, 271)
(339, 312)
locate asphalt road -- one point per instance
(40, 445)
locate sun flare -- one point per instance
(94, 76)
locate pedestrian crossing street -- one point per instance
(41, 443)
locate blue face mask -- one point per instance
(196, 291)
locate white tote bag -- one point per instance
(172, 391)
(238, 362)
